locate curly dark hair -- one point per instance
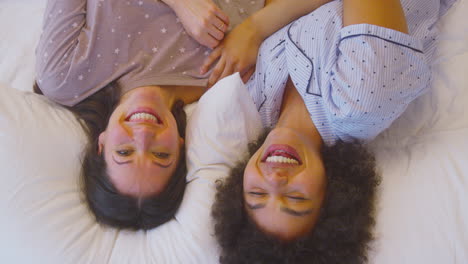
(342, 233)
(108, 205)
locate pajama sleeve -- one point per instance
(67, 51)
(63, 26)
(376, 74)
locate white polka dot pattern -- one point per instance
(88, 44)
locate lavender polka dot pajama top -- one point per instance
(355, 80)
(88, 44)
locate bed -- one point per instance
(422, 211)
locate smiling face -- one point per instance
(284, 184)
(141, 143)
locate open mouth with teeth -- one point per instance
(281, 154)
(144, 116)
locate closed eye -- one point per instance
(259, 194)
(297, 198)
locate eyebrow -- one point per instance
(296, 213)
(130, 161)
(255, 206)
(283, 209)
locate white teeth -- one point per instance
(281, 159)
(143, 117)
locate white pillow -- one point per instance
(218, 131)
(43, 215)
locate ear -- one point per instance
(101, 140)
(181, 141)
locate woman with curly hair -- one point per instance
(325, 84)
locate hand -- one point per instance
(237, 53)
(202, 20)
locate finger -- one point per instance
(212, 58)
(215, 32)
(228, 70)
(206, 40)
(220, 24)
(217, 71)
(210, 41)
(246, 76)
(222, 16)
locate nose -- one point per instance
(143, 136)
(277, 178)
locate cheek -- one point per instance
(171, 133)
(251, 174)
(313, 177)
(116, 134)
(170, 138)
(313, 184)
(114, 130)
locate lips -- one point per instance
(144, 115)
(281, 154)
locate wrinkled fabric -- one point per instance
(86, 45)
(355, 80)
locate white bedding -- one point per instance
(422, 212)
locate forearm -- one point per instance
(384, 13)
(278, 13)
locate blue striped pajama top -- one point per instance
(355, 80)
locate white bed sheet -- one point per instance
(422, 212)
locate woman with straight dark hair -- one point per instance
(325, 84)
(126, 69)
